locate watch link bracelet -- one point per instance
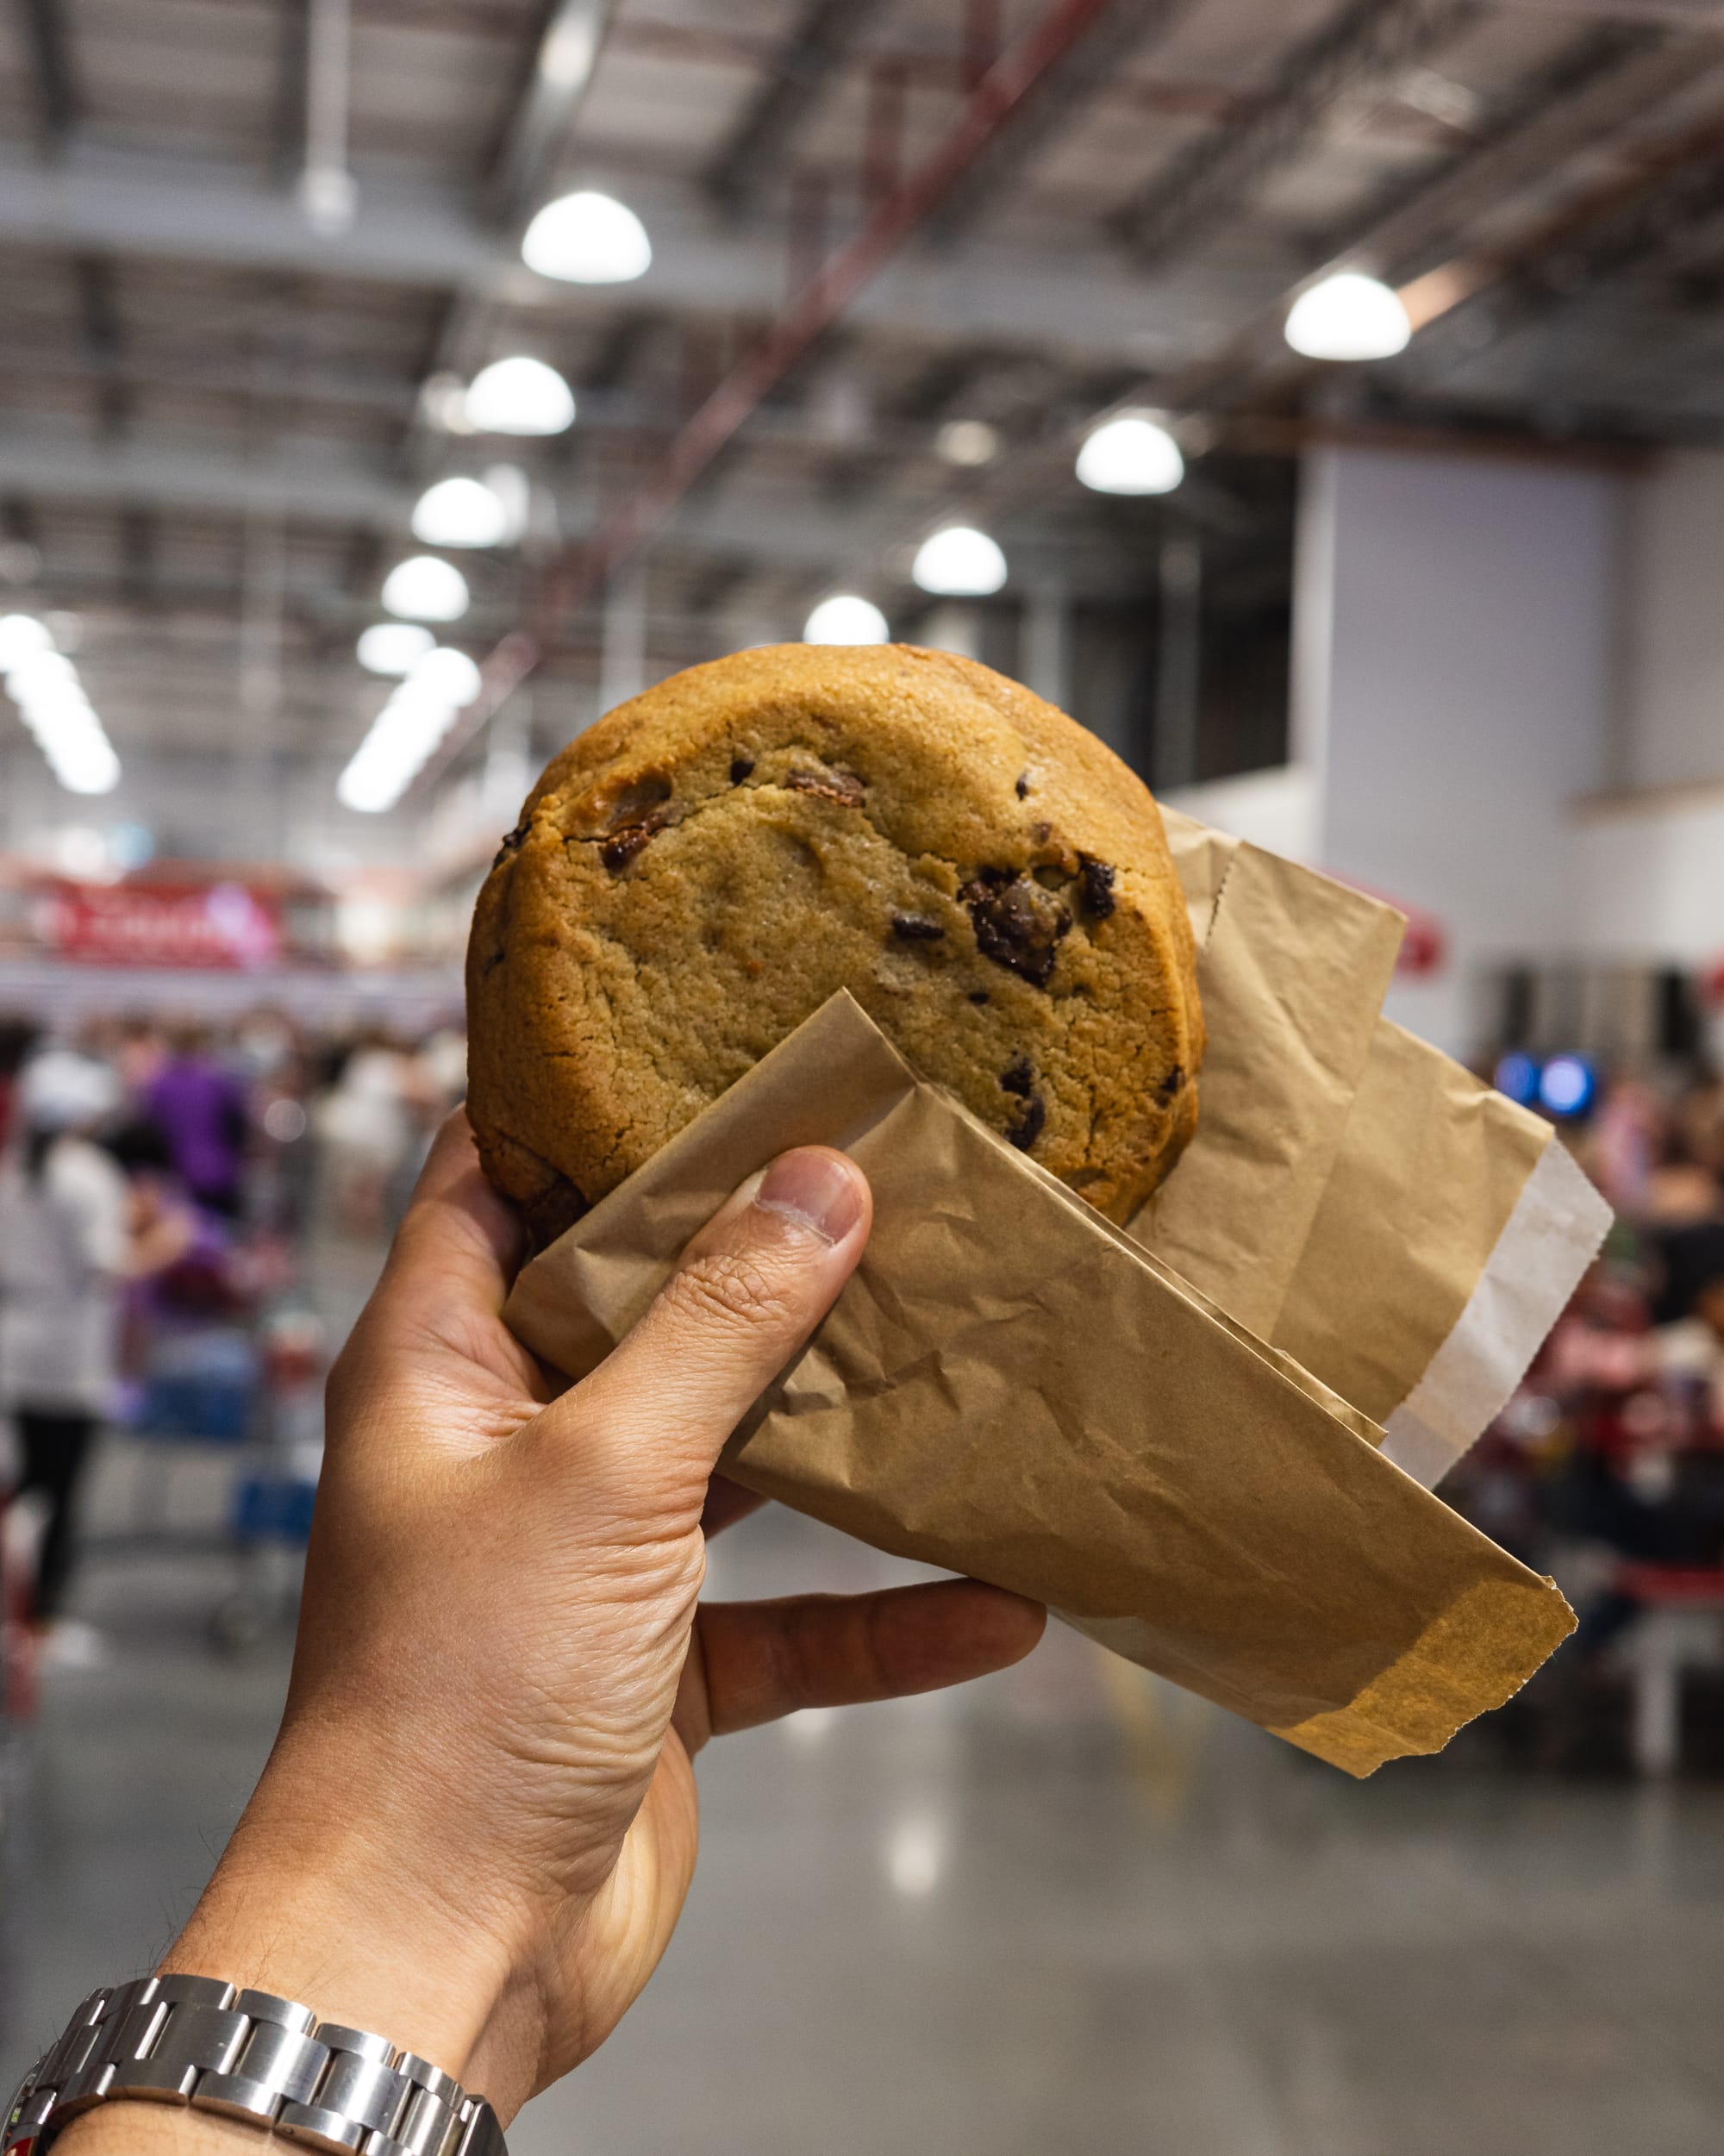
(250, 2056)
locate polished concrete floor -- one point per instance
(1067, 1910)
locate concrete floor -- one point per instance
(1066, 1910)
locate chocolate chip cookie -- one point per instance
(699, 872)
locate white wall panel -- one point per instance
(1459, 615)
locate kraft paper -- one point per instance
(1011, 1387)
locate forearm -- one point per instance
(307, 1907)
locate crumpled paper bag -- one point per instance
(1352, 1194)
(1013, 1388)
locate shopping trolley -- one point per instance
(250, 1389)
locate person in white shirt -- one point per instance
(64, 1244)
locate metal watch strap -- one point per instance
(247, 2055)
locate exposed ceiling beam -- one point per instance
(137, 553)
(757, 150)
(1428, 226)
(1082, 302)
(1606, 76)
(1355, 54)
(675, 484)
(565, 58)
(328, 486)
(57, 99)
(1640, 224)
(102, 337)
(563, 64)
(1092, 66)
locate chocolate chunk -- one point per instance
(1023, 785)
(511, 844)
(1024, 1132)
(842, 786)
(1170, 1086)
(1019, 1077)
(632, 803)
(621, 848)
(917, 927)
(1018, 924)
(1041, 833)
(978, 994)
(1098, 885)
(740, 768)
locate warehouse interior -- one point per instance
(1322, 402)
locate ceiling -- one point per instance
(212, 419)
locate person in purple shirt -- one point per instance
(199, 1107)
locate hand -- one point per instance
(478, 1824)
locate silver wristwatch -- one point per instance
(247, 2055)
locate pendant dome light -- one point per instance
(519, 395)
(1349, 317)
(587, 238)
(844, 618)
(1133, 453)
(959, 562)
(424, 589)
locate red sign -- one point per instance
(222, 925)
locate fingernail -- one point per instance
(815, 1189)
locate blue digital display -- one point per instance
(1518, 1077)
(1567, 1086)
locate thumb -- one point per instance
(747, 1292)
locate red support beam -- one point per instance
(990, 109)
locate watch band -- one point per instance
(247, 2055)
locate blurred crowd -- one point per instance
(159, 1182)
(1607, 1467)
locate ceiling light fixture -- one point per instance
(21, 635)
(519, 395)
(417, 716)
(424, 589)
(1133, 453)
(959, 562)
(587, 239)
(968, 441)
(845, 619)
(393, 647)
(1349, 317)
(459, 513)
(51, 700)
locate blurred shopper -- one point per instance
(139, 1056)
(64, 1249)
(17, 1037)
(364, 1125)
(199, 1107)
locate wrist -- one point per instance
(320, 1902)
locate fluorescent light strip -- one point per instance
(404, 733)
(44, 684)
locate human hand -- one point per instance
(479, 1823)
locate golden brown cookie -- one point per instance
(699, 872)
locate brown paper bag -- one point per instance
(1013, 1388)
(1352, 1194)
(1292, 968)
(1452, 1232)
